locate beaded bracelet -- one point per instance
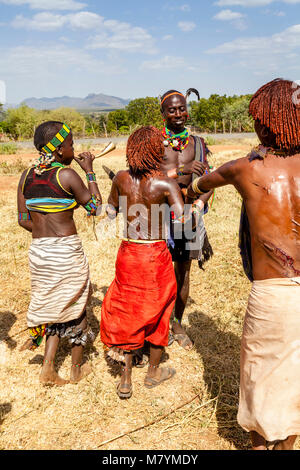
(91, 177)
(180, 171)
(24, 216)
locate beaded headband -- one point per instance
(171, 94)
(57, 139)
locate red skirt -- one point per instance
(139, 302)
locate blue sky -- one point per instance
(137, 48)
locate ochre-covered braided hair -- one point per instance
(277, 106)
(145, 151)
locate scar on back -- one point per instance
(262, 187)
(285, 259)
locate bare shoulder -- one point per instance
(234, 167)
(121, 178)
(122, 175)
(165, 183)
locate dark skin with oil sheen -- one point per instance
(270, 189)
(146, 191)
(175, 114)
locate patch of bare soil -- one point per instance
(9, 183)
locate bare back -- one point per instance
(271, 192)
(270, 189)
(141, 198)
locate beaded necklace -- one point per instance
(177, 141)
(44, 162)
(57, 164)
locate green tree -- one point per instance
(71, 117)
(102, 124)
(207, 113)
(117, 119)
(236, 115)
(145, 112)
(21, 122)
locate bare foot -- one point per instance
(26, 345)
(78, 373)
(50, 377)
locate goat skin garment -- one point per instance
(60, 280)
(140, 300)
(270, 360)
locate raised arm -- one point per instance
(225, 174)
(89, 198)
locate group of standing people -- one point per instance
(169, 169)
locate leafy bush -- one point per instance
(12, 168)
(210, 140)
(8, 148)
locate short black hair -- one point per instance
(45, 132)
(166, 94)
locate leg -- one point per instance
(79, 370)
(156, 375)
(182, 273)
(287, 444)
(258, 442)
(48, 374)
(124, 389)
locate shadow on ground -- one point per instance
(5, 408)
(220, 353)
(7, 320)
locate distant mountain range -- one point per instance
(92, 102)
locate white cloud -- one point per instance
(228, 15)
(251, 3)
(186, 26)
(164, 63)
(49, 21)
(32, 61)
(41, 22)
(85, 20)
(50, 5)
(167, 37)
(121, 36)
(282, 42)
(234, 17)
(273, 53)
(115, 35)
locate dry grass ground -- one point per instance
(84, 416)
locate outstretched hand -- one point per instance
(85, 161)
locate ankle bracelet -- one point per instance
(76, 365)
(126, 369)
(154, 367)
(45, 361)
(175, 320)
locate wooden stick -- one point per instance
(152, 422)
